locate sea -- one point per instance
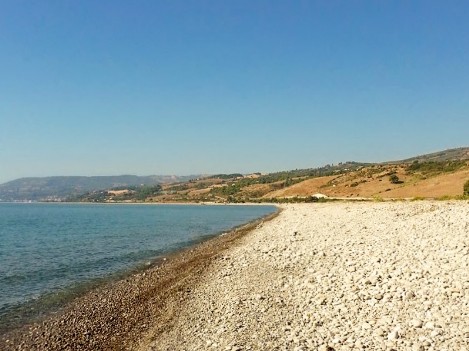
(50, 253)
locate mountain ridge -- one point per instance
(57, 188)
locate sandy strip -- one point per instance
(337, 276)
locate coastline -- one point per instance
(115, 315)
(328, 276)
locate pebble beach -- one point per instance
(328, 276)
(336, 276)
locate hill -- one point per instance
(422, 179)
(435, 175)
(461, 153)
(60, 188)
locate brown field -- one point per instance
(442, 185)
(374, 181)
(256, 190)
(119, 192)
(305, 188)
(198, 192)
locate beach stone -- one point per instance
(429, 325)
(393, 335)
(416, 323)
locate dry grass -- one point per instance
(366, 183)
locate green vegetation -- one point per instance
(227, 190)
(432, 168)
(446, 155)
(225, 176)
(310, 173)
(178, 187)
(466, 188)
(129, 194)
(145, 191)
(370, 171)
(452, 197)
(446, 198)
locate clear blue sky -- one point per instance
(184, 87)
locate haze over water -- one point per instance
(51, 248)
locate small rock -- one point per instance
(429, 325)
(416, 323)
(380, 332)
(321, 299)
(366, 326)
(394, 335)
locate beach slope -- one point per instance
(334, 276)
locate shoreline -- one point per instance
(146, 203)
(328, 276)
(30, 308)
(107, 317)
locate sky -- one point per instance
(198, 87)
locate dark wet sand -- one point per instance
(120, 314)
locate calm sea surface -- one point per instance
(48, 251)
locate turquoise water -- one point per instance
(49, 249)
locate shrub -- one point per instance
(466, 188)
(394, 179)
(434, 167)
(311, 199)
(445, 198)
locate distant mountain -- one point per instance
(59, 188)
(461, 153)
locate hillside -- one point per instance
(435, 175)
(216, 188)
(244, 188)
(60, 188)
(418, 179)
(445, 179)
(461, 153)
